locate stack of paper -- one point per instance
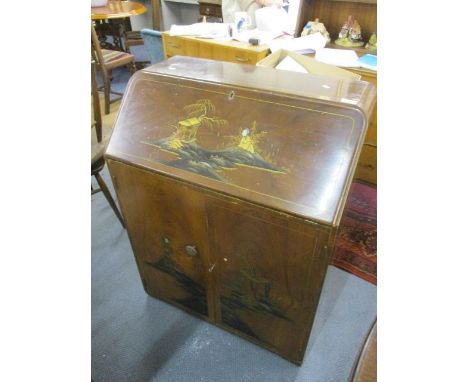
(338, 57)
(304, 44)
(207, 30)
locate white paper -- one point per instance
(338, 57)
(289, 63)
(310, 42)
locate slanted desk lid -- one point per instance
(288, 141)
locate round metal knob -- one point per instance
(191, 250)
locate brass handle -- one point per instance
(174, 45)
(240, 59)
(212, 266)
(191, 250)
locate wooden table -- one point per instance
(117, 10)
(232, 51)
(114, 17)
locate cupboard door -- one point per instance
(163, 221)
(269, 270)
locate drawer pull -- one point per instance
(177, 46)
(191, 250)
(207, 11)
(241, 59)
(212, 266)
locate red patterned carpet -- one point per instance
(356, 244)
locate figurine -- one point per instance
(315, 26)
(344, 32)
(350, 34)
(372, 44)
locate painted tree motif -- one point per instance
(200, 111)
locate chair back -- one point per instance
(96, 105)
(153, 43)
(96, 52)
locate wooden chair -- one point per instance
(106, 61)
(98, 149)
(132, 38)
(96, 105)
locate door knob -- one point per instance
(191, 250)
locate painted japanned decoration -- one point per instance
(249, 292)
(196, 293)
(243, 149)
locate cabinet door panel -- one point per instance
(270, 270)
(163, 219)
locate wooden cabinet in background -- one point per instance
(231, 51)
(232, 181)
(211, 9)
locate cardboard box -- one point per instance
(310, 64)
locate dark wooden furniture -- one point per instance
(211, 9)
(334, 14)
(108, 60)
(232, 180)
(97, 117)
(113, 19)
(366, 365)
(156, 14)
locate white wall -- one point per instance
(145, 20)
(181, 13)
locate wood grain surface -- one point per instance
(117, 9)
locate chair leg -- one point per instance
(106, 79)
(109, 198)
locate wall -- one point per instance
(145, 20)
(178, 13)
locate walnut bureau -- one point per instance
(232, 180)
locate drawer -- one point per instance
(367, 166)
(173, 46)
(210, 10)
(242, 57)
